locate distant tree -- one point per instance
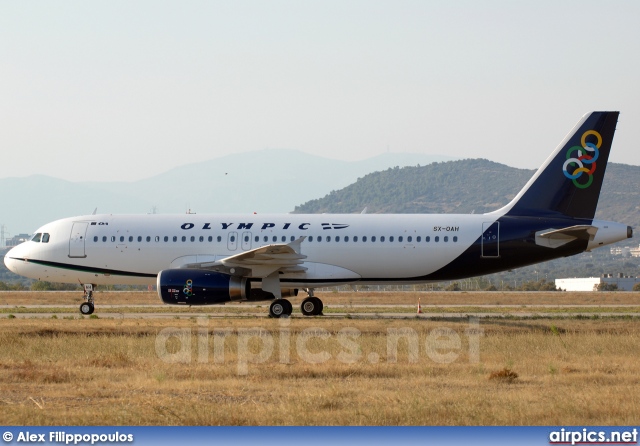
(636, 287)
(454, 286)
(543, 285)
(40, 285)
(607, 287)
(11, 286)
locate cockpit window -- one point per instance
(45, 238)
(36, 238)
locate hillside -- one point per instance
(466, 186)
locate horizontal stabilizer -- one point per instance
(554, 238)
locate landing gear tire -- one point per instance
(86, 308)
(311, 306)
(280, 308)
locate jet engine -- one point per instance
(200, 287)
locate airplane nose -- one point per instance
(10, 263)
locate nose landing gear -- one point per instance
(86, 308)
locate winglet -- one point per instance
(296, 244)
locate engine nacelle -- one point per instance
(200, 287)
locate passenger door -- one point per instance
(78, 236)
(491, 239)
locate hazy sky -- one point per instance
(123, 90)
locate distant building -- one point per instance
(624, 283)
(626, 250)
(17, 239)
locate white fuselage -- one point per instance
(132, 249)
(338, 247)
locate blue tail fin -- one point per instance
(569, 181)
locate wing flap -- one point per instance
(260, 262)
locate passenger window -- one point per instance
(95, 239)
(122, 238)
(157, 238)
(391, 238)
(446, 238)
(175, 238)
(266, 239)
(284, 238)
(310, 238)
(427, 239)
(364, 238)
(418, 239)
(104, 238)
(201, 238)
(337, 238)
(293, 239)
(45, 238)
(219, 238)
(275, 239)
(455, 238)
(373, 238)
(210, 238)
(257, 239)
(246, 238)
(436, 239)
(382, 238)
(400, 239)
(346, 238)
(319, 238)
(131, 238)
(166, 238)
(113, 238)
(184, 238)
(36, 238)
(328, 238)
(233, 238)
(409, 239)
(148, 238)
(193, 238)
(355, 238)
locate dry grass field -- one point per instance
(315, 371)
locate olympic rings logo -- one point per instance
(188, 288)
(585, 159)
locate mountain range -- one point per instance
(272, 180)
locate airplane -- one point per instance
(198, 259)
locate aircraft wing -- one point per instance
(259, 262)
(554, 238)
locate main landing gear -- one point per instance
(310, 306)
(86, 308)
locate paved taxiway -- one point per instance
(377, 311)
